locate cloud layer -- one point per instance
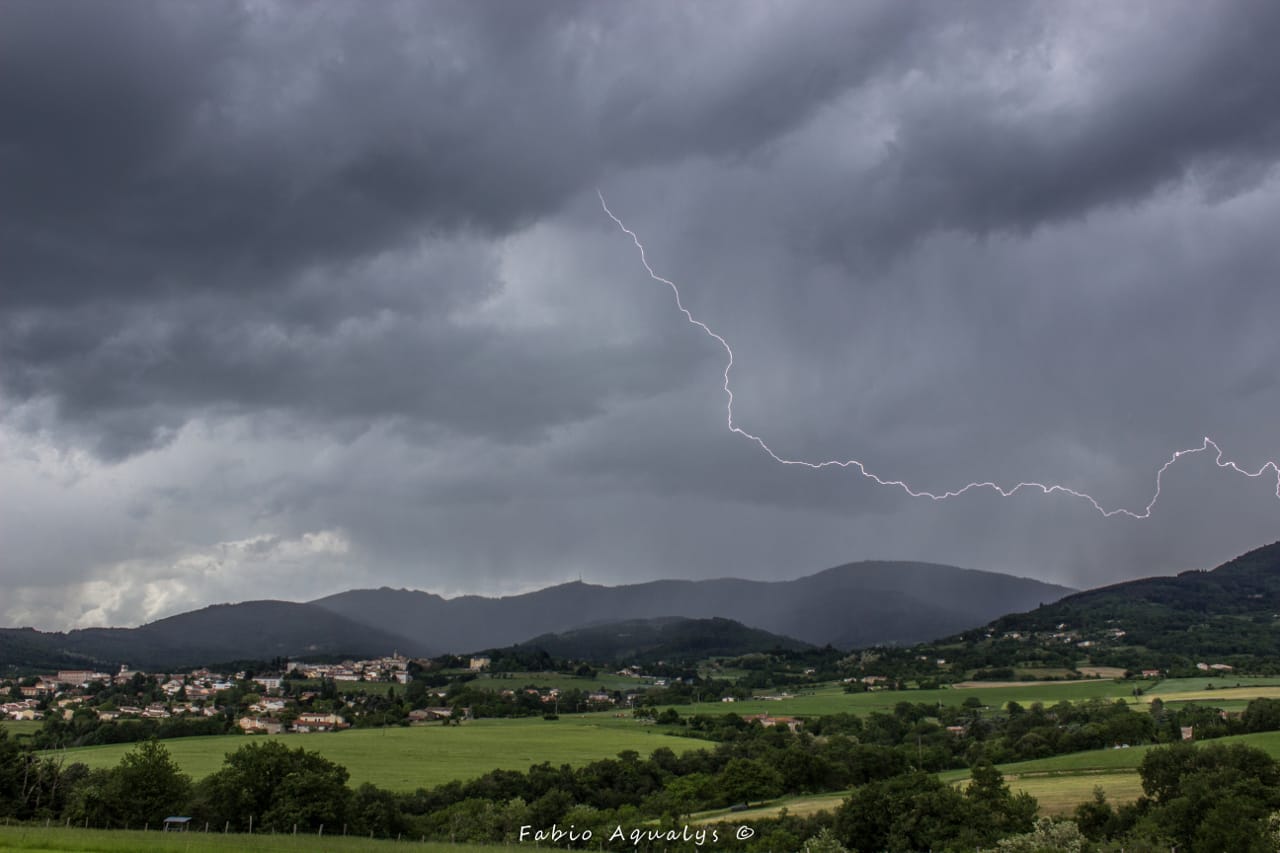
(302, 299)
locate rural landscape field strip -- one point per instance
(404, 759)
(831, 699)
(1059, 795)
(1059, 784)
(1064, 781)
(125, 841)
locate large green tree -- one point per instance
(746, 779)
(144, 788)
(1210, 798)
(278, 788)
(916, 811)
(149, 786)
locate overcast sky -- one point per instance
(305, 297)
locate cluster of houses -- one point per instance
(260, 721)
(552, 695)
(793, 724)
(1214, 667)
(393, 668)
(194, 693)
(25, 709)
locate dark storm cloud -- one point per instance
(160, 153)
(1187, 94)
(160, 146)
(128, 392)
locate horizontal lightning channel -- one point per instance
(1046, 488)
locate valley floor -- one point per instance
(404, 759)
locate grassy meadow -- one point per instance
(1232, 693)
(831, 698)
(59, 838)
(1064, 781)
(21, 728)
(404, 759)
(1059, 783)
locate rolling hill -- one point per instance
(670, 639)
(1230, 611)
(1212, 622)
(253, 630)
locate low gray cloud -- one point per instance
(298, 299)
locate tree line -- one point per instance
(1201, 799)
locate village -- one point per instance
(297, 697)
(258, 702)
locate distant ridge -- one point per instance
(252, 630)
(857, 604)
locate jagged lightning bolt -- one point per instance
(1046, 488)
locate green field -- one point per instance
(21, 728)
(1232, 693)
(1125, 759)
(1059, 795)
(1211, 683)
(801, 806)
(831, 699)
(1059, 784)
(122, 841)
(1062, 782)
(404, 759)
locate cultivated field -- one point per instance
(404, 759)
(801, 806)
(122, 841)
(1211, 683)
(21, 728)
(1059, 784)
(1232, 693)
(1064, 781)
(831, 699)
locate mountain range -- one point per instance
(849, 606)
(854, 605)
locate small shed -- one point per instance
(177, 824)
